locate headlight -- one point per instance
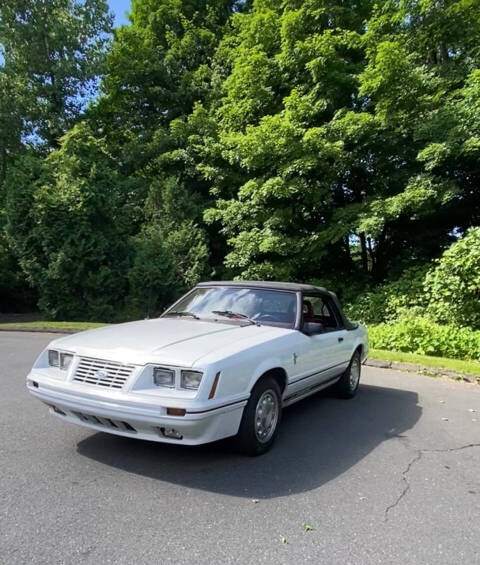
(53, 358)
(59, 359)
(191, 379)
(164, 377)
(65, 360)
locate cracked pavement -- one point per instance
(392, 476)
(414, 460)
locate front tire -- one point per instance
(348, 384)
(261, 418)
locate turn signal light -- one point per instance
(176, 411)
(213, 390)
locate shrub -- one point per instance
(151, 275)
(188, 246)
(453, 287)
(413, 334)
(391, 300)
(167, 261)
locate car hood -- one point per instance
(176, 341)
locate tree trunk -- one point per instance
(378, 256)
(371, 253)
(444, 53)
(347, 248)
(364, 256)
(3, 168)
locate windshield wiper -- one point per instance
(191, 314)
(233, 315)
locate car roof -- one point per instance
(269, 285)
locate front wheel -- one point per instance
(261, 418)
(347, 386)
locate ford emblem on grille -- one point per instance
(101, 374)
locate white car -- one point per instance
(222, 361)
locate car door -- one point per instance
(324, 352)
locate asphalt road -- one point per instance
(392, 476)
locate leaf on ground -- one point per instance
(308, 528)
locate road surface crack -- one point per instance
(418, 455)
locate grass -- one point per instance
(54, 325)
(467, 367)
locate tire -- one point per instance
(249, 439)
(348, 384)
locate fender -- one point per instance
(265, 366)
(361, 341)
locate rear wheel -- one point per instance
(261, 418)
(348, 384)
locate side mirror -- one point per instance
(312, 328)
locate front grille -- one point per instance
(97, 372)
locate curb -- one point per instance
(414, 368)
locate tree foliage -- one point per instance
(51, 58)
(53, 52)
(73, 241)
(316, 140)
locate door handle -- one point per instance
(340, 339)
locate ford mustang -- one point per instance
(222, 361)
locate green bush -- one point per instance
(151, 275)
(391, 300)
(453, 287)
(168, 261)
(414, 334)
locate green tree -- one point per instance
(52, 54)
(54, 49)
(158, 65)
(321, 140)
(10, 121)
(289, 69)
(344, 136)
(165, 265)
(158, 68)
(73, 243)
(419, 84)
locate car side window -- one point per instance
(320, 310)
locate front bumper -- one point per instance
(139, 419)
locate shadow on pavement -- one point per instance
(320, 438)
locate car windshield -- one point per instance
(270, 307)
